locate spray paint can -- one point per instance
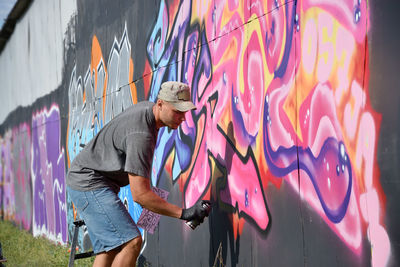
(194, 223)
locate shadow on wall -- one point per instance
(224, 234)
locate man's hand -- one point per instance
(197, 212)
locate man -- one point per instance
(121, 154)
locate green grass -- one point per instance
(21, 249)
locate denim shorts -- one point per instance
(108, 222)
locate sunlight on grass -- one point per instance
(20, 248)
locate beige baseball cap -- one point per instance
(177, 94)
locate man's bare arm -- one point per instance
(142, 194)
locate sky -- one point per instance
(5, 9)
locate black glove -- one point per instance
(197, 212)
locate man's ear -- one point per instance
(159, 103)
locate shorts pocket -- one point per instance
(84, 205)
(79, 199)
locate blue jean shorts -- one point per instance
(108, 222)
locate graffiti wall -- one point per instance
(294, 139)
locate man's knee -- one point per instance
(135, 244)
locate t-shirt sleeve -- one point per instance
(139, 149)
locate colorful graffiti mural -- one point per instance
(279, 98)
(33, 176)
(104, 92)
(16, 189)
(48, 176)
(281, 92)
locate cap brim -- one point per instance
(183, 105)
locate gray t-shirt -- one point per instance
(124, 145)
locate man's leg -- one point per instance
(109, 225)
(105, 259)
(129, 253)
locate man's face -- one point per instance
(170, 116)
